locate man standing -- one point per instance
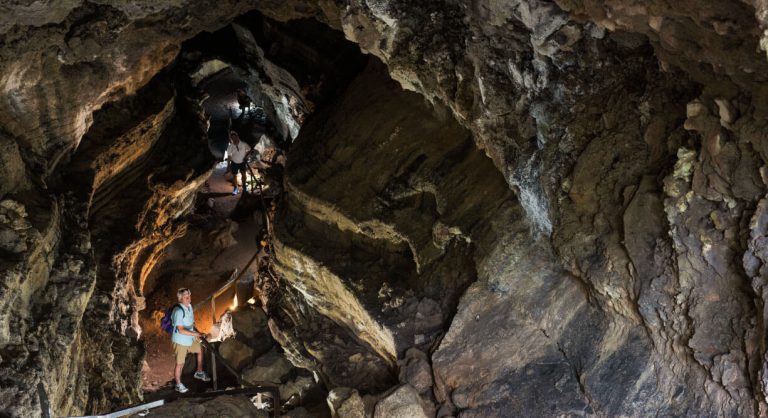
(237, 153)
(185, 339)
(244, 101)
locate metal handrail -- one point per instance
(212, 297)
(234, 278)
(251, 390)
(222, 289)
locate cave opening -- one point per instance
(300, 78)
(224, 253)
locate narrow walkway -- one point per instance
(196, 261)
(205, 257)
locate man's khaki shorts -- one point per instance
(182, 350)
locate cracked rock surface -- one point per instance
(562, 205)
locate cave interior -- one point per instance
(452, 209)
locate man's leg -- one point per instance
(199, 374)
(244, 178)
(179, 355)
(234, 178)
(200, 361)
(177, 372)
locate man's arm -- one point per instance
(178, 314)
(185, 331)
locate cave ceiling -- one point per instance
(561, 205)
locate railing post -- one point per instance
(234, 280)
(214, 373)
(213, 310)
(213, 357)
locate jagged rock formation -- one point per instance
(621, 146)
(254, 353)
(388, 255)
(94, 218)
(607, 259)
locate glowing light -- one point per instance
(234, 303)
(251, 301)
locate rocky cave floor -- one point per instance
(223, 236)
(203, 261)
(222, 242)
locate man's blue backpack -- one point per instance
(166, 322)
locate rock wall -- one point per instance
(82, 215)
(71, 319)
(366, 254)
(62, 61)
(630, 135)
(607, 258)
(392, 213)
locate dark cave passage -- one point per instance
(226, 243)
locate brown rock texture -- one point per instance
(627, 132)
(61, 61)
(86, 220)
(384, 257)
(565, 209)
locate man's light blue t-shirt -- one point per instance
(186, 318)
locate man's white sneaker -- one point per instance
(181, 388)
(202, 376)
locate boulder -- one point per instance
(446, 410)
(237, 354)
(416, 371)
(250, 324)
(346, 403)
(270, 367)
(297, 386)
(249, 321)
(403, 402)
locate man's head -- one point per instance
(234, 137)
(184, 295)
